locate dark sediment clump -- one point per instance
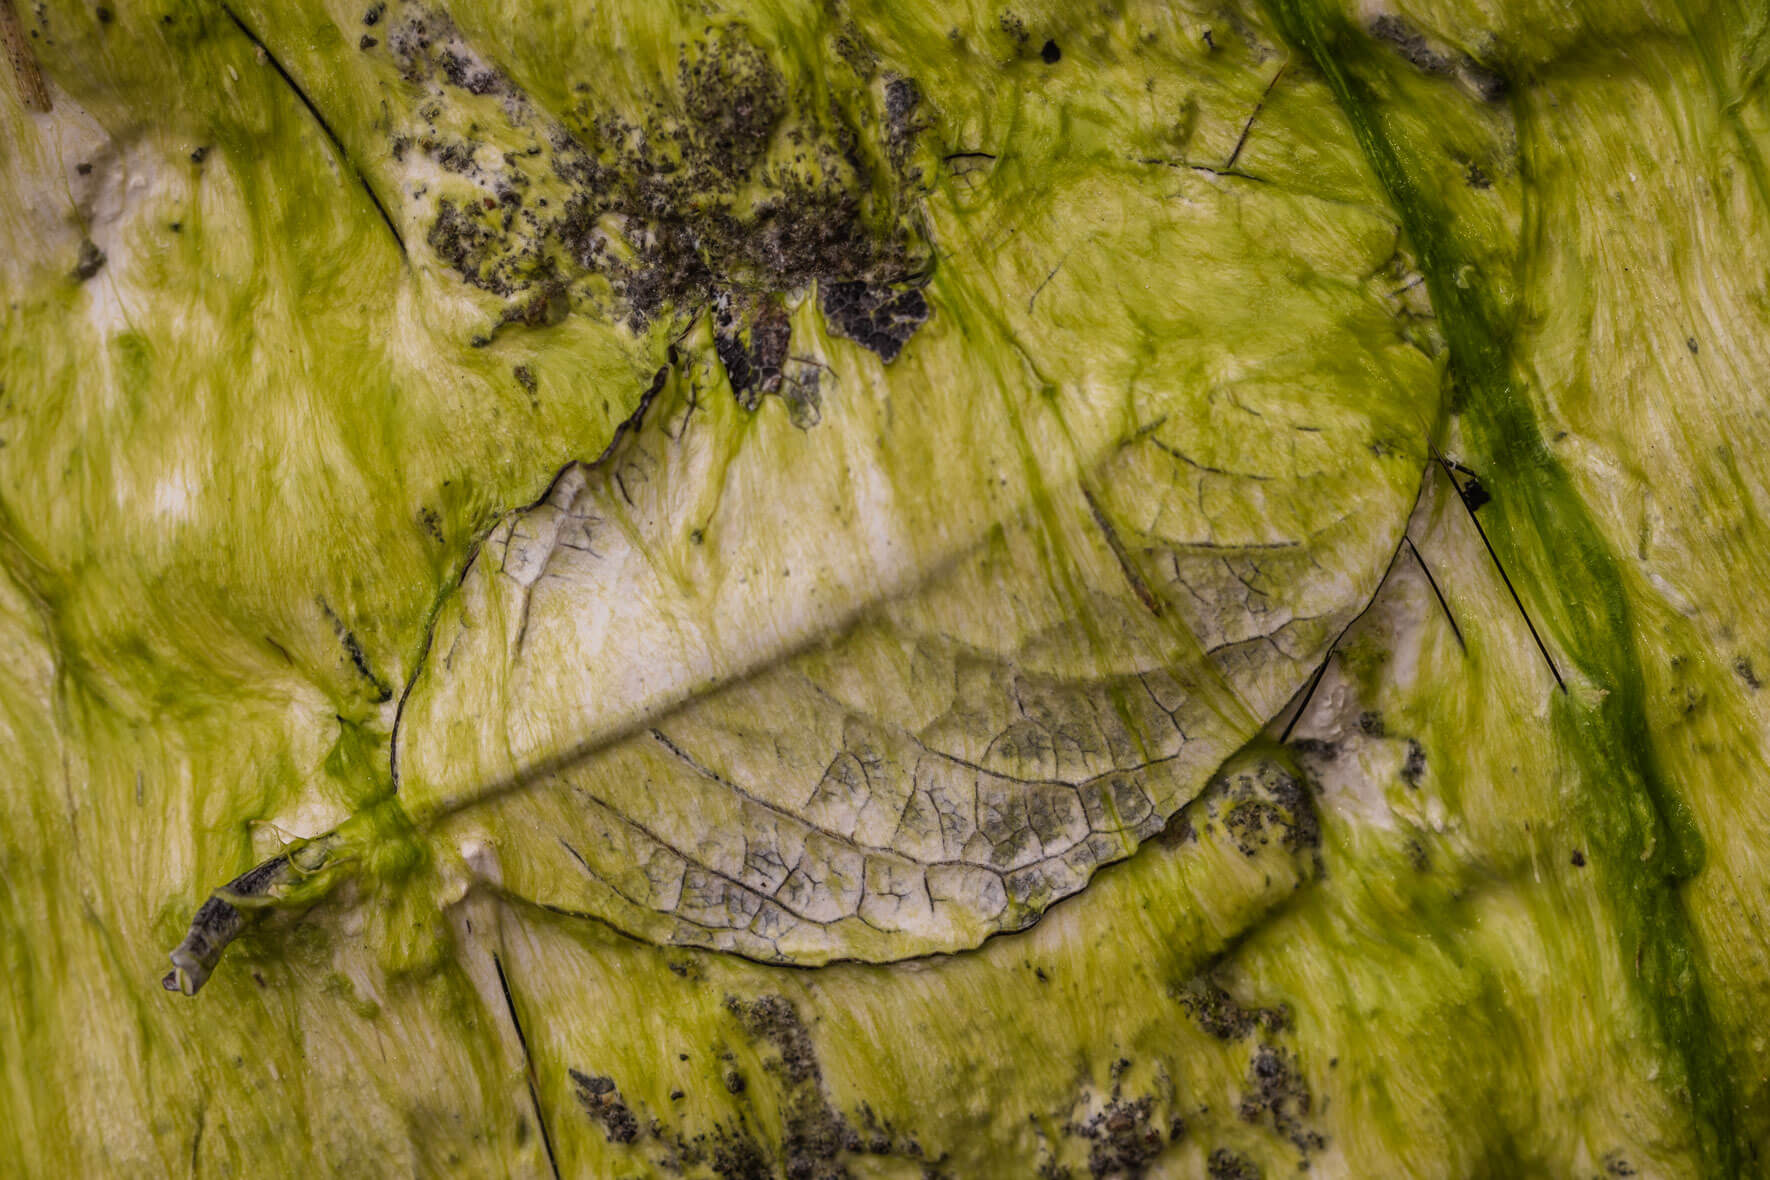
(733, 185)
(602, 1102)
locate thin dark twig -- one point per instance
(1247, 127)
(1433, 582)
(1308, 693)
(528, 1065)
(1510, 589)
(338, 144)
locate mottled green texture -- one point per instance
(1457, 924)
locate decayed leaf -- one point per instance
(1449, 929)
(1080, 459)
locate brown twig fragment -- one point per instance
(31, 89)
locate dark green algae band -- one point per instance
(1638, 826)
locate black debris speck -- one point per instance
(1579, 859)
(736, 1156)
(876, 316)
(902, 99)
(902, 96)
(367, 42)
(1473, 493)
(1416, 855)
(602, 1102)
(373, 16)
(456, 157)
(814, 1134)
(774, 1019)
(1050, 54)
(473, 79)
(1225, 1164)
(1218, 1013)
(90, 262)
(1123, 1141)
(754, 366)
(1410, 43)
(1278, 1095)
(1742, 668)
(1413, 768)
(1490, 84)
(1270, 803)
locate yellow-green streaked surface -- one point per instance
(1457, 924)
(1163, 414)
